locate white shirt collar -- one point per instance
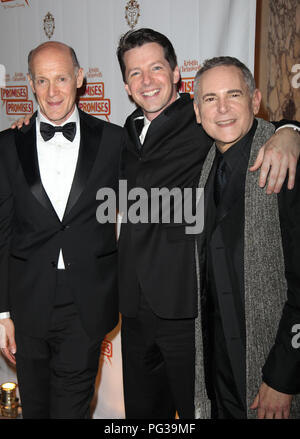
(146, 120)
(74, 117)
(59, 138)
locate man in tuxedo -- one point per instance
(249, 260)
(165, 148)
(58, 265)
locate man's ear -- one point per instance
(31, 83)
(176, 75)
(127, 89)
(80, 78)
(256, 100)
(197, 112)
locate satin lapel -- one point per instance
(154, 142)
(134, 143)
(27, 152)
(135, 134)
(90, 138)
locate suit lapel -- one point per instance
(234, 189)
(27, 153)
(215, 241)
(230, 197)
(90, 138)
(134, 144)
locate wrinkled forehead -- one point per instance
(221, 78)
(48, 54)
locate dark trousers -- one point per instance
(230, 397)
(56, 373)
(158, 365)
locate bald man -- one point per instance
(57, 263)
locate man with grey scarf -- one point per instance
(247, 357)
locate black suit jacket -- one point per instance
(160, 258)
(223, 241)
(222, 276)
(31, 233)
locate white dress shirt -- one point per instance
(57, 163)
(145, 127)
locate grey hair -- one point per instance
(224, 61)
(33, 52)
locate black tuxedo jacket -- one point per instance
(31, 233)
(160, 258)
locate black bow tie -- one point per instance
(48, 131)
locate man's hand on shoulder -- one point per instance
(7, 339)
(22, 121)
(277, 157)
(271, 404)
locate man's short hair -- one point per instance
(33, 52)
(139, 37)
(225, 61)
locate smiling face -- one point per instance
(224, 105)
(150, 81)
(55, 81)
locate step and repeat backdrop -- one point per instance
(198, 30)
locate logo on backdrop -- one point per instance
(296, 77)
(93, 101)
(49, 25)
(13, 3)
(107, 350)
(188, 71)
(132, 13)
(15, 97)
